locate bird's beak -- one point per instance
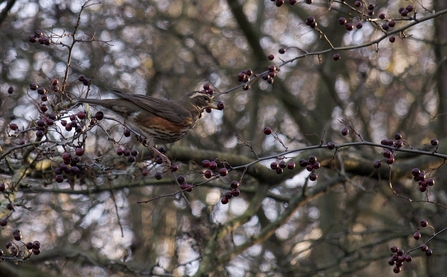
(212, 105)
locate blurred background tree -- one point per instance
(354, 72)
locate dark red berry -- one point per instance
(220, 105)
(213, 165)
(342, 21)
(223, 171)
(313, 176)
(312, 159)
(359, 25)
(79, 151)
(271, 57)
(429, 252)
(330, 145)
(390, 160)
(377, 164)
(291, 165)
(13, 126)
(224, 200)
(358, 3)
(336, 57)
(235, 192)
(234, 184)
(174, 167)
(424, 223)
(181, 179)
(282, 164)
(391, 23)
(267, 130)
(417, 235)
(126, 132)
(33, 86)
(81, 115)
(205, 163)
(99, 115)
(310, 20)
(75, 170)
(424, 247)
(131, 159)
(274, 165)
(393, 249)
(345, 131)
(415, 171)
(207, 174)
(59, 178)
(162, 149)
(434, 142)
(391, 261)
(303, 162)
(158, 175)
(349, 26)
(29, 245)
(279, 170)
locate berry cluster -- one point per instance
(131, 154)
(279, 3)
(233, 192)
(212, 170)
(399, 256)
(211, 166)
(69, 165)
(420, 177)
(389, 154)
(245, 76)
(77, 121)
(310, 21)
(269, 76)
(186, 187)
(311, 165)
(279, 166)
(39, 36)
(18, 249)
(86, 81)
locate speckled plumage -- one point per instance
(159, 120)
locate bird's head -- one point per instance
(201, 101)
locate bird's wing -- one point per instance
(167, 109)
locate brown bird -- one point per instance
(158, 120)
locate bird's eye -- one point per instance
(206, 98)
